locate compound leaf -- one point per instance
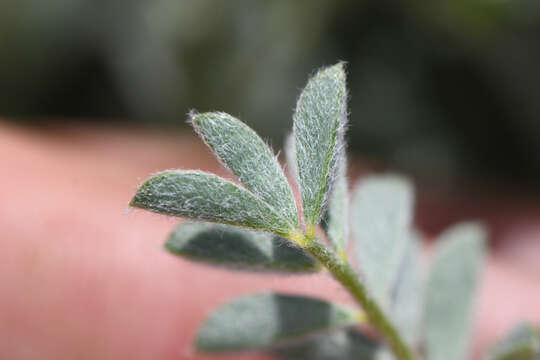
(319, 126)
(521, 343)
(265, 320)
(199, 195)
(381, 217)
(238, 248)
(451, 290)
(249, 158)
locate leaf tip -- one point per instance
(170, 246)
(194, 118)
(337, 70)
(472, 232)
(136, 200)
(133, 202)
(140, 198)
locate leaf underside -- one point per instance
(198, 195)
(382, 208)
(451, 290)
(236, 248)
(265, 320)
(319, 125)
(248, 157)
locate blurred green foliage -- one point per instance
(440, 88)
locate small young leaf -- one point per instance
(451, 290)
(237, 248)
(347, 344)
(408, 293)
(319, 126)
(249, 158)
(521, 343)
(381, 221)
(335, 221)
(199, 195)
(267, 319)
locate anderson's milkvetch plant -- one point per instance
(258, 226)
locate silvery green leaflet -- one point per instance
(319, 126)
(237, 248)
(256, 225)
(249, 158)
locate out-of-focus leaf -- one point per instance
(521, 343)
(237, 248)
(267, 319)
(335, 221)
(381, 223)
(199, 195)
(451, 291)
(319, 126)
(408, 293)
(385, 354)
(249, 158)
(347, 344)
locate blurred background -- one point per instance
(445, 90)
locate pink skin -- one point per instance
(81, 279)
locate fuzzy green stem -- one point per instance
(343, 273)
